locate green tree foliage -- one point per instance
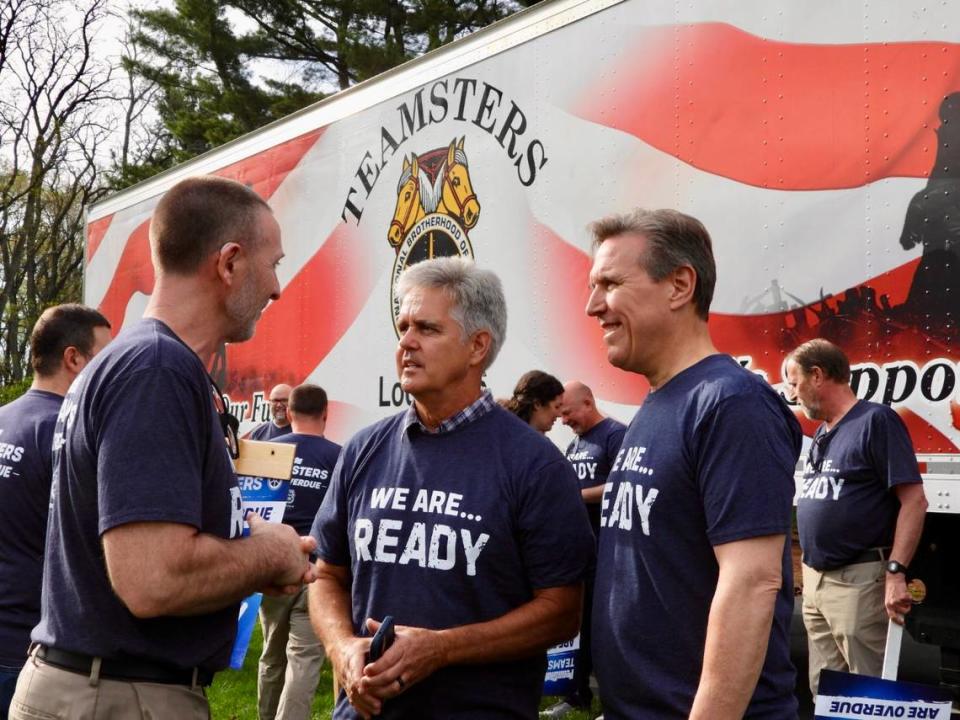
(200, 53)
(52, 93)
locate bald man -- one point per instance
(591, 453)
(280, 423)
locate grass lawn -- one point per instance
(233, 695)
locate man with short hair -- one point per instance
(860, 514)
(142, 579)
(279, 423)
(694, 593)
(454, 517)
(591, 453)
(64, 339)
(292, 656)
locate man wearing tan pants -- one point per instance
(860, 514)
(292, 656)
(144, 565)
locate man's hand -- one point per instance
(292, 552)
(348, 659)
(897, 598)
(416, 654)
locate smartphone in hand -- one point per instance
(382, 640)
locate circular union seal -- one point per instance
(274, 484)
(436, 235)
(918, 590)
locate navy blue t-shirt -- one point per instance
(845, 505)
(452, 529)
(592, 455)
(26, 437)
(707, 460)
(269, 431)
(138, 439)
(312, 467)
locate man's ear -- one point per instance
(481, 342)
(227, 260)
(73, 360)
(683, 283)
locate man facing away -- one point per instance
(592, 453)
(63, 341)
(279, 423)
(292, 656)
(456, 518)
(142, 580)
(860, 515)
(694, 593)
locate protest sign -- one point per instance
(845, 696)
(263, 473)
(561, 662)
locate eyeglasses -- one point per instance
(818, 451)
(228, 422)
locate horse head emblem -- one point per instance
(436, 207)
(409, 209)
(458, 198)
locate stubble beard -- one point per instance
(243, 310)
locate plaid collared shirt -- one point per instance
(474, 411)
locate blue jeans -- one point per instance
(8, 683)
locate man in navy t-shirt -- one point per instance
(279, 423)
(142, 580)
(591, 453)
(457, 519)
(694, 592)
(64, 340)
(292, 656)
(860, 515)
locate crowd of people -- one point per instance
(664, 543)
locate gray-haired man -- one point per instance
(454, 517)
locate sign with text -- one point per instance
(561, 663)
(263, 473)
(844, 696)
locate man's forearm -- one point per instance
(593, 494)
(908, 530)
(330, 615)
(738, 631)
(552, 616)
(166, 569)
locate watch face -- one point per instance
(894, 567)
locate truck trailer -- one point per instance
(819, 142)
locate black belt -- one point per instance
(128, 669)
(871, 555)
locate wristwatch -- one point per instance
(894, 567)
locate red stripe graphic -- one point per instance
(297, 331)
(779, 115)
(263, 172)
(95, 232)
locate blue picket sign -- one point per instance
(561, 663)
(845, 696)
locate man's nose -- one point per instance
(595, 303)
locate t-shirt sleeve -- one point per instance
(745, 467)
(151, 438)
(891, 450)
(330, 524)
(556, 539)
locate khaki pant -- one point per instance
(45, 692)
(845, 617)
(291, 659)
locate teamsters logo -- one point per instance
(436, 206)
(436, 203)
